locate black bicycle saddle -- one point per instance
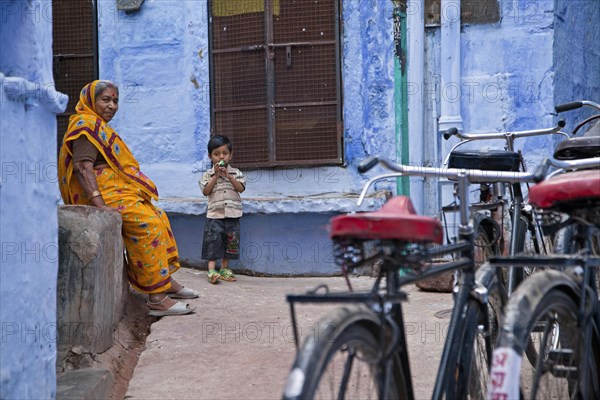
(585, 146)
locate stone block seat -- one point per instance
(92, 297)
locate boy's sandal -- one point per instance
(213, 276)
(184, 293)
(178, 308)
(227, 275)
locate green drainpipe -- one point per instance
(400, 92)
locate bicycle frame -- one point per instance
(387, 305)
(517, 198)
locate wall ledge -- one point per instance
(33, 94)
(322, 203)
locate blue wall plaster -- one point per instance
(576, 55)
(273, 244)
(28, 198)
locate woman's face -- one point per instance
(107, 103)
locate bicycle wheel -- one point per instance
(544, 314)
(477, 338)
(572, 241)
(484, 244)
(344, 362)
(532, 236)
(527, 244)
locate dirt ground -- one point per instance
(239, 342)
(131, 334)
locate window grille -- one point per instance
(74, 37)
(275, 81)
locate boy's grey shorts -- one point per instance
(221, 239)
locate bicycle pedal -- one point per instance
(561, 371)
(561, 356)
(540, 326)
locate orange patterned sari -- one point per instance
(151, 249)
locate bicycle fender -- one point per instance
(524, 301)
(490, 225)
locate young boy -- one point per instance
(223, 185)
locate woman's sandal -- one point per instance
(178, 308)
(184, 293)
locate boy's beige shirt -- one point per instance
(224, 201)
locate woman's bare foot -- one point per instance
(160, 301)
(175, 286)
(178, 291)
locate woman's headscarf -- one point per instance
(88, 123)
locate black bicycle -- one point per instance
(553, 318)
(498, 201)
(361, 350)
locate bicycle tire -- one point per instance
(476, 339)
(543, 302)
(484, 242)
(349, 340)
(526, 245)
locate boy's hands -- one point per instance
(221, 169)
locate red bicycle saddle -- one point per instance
(397, 219)
(572, 186)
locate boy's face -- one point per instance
(221, 153)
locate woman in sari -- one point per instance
(96, 168)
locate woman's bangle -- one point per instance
(94, 195)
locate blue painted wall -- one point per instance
(539, 54)
(576, 54)
(28, 198)
(272, 244)
(508, 72)
(159, 57)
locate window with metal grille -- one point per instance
(74, 37)
(275, 80)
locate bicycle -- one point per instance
(578, 147)
(557, 312)
(525, 234)
(367, 335)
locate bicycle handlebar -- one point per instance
(568, 106)
(505, 135)
(471, 174)
(573, 105)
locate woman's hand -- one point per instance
(98, 202)
(84, 171)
